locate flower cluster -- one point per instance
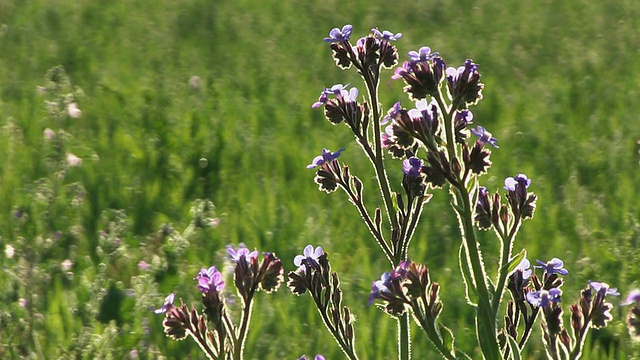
(532, 295)
(423, 73)
(211, 332)
(633, 317)
(314, 274)
(521, 205)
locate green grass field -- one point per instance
(561, 94)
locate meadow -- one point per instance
(155, 141)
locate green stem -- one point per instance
(238, 351)
(485, 320)
(507, 247)
(576, 352)
(404, 347)
(430, 330)
(377, 160)
(377, 235)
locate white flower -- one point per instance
(73, 160)
(73, 111)
(9, 251)
(49, 134)
(194, 82)
(66, 265)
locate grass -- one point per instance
(560, 96)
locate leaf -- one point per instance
(469, 289)
(447, 337)
(515, 261)
(515, 350)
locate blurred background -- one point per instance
(205, 99)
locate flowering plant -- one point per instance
(432, 140)
(213, 329)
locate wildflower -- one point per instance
(73, 160)
(337, 35)
(411, 167)
(326, 157)
(510, 183)
(464, 116)
(400, 271)
(271, 272)
(483, 209)
(168, 304)
(342, 106)
(386, 35)
(210, 279)
(73, 111)
(422, 73)
(524, 266)
(213, 222)
(553, 266)
(424, 54)
(544, 298)
(143, 265)
(241, 253)
(522, 203)
(9, 251)
(317, 357)
(464, 85)
(484, 137)
(392, 113)
(66, 265)
(632, 298)
(194, 82)
(603, 288)
(310, 255)
(380, 286)
(49, 134)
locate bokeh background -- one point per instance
(562, 92)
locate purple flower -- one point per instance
(309, 254)
(340, 92)
(422, 55)
(485, 137)
(464, 84)
(553, 266)
(242, 251)
(168, 304)
(604, 288)
(524, 266)
(326, 157)
(632, 298)
(210, 279)
(386, 35)
(143, 265)
(392, 113)
(464, 116)
(544, 298)
(321, 100)
(337, 35)
(411, 167)
(511, 182)
(380, 286)
(400, 271)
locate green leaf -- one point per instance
(511, 265)
(469, 289)
(447, 337)
(513, 345)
